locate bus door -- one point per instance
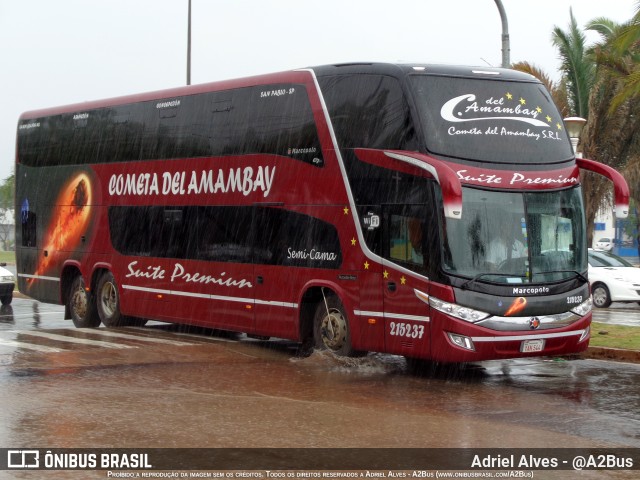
(407, 318)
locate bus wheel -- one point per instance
(331, 328)
(108, 301)
(82, 308)
(6, 300)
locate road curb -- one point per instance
(615, 354)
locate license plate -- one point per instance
(529, 346)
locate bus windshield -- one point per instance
(491, 121)
(516, 237)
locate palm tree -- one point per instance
(601, 84)
(578, 69)
(612, 133)
(621, 57)
(556, 89)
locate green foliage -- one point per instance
(577, 67)
(7, 192)
(631, 225)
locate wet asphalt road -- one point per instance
(160, 387)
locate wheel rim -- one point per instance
(109, 299)
(333, 329)
(79, 302)
(599, 296)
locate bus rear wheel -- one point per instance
(81, 305)
(108, 303)
(331, 328)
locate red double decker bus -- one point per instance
(428, 211)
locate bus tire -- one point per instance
(81, 305)
(331, 328)
(6, 300)
(108, 303)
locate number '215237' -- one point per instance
(407, 330)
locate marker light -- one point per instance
(585, 334)
(461, 341)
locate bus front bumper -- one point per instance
(458, 341)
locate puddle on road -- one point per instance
(255, 393)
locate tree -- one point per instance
(7, 194)
(601, 84)
(578, 70)
(612, 133)
(556, 89)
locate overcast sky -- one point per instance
(56, 52)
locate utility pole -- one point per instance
(506, 50)
(189, 46)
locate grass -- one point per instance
(615, 336)
(8, 257)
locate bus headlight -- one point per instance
(584, 308)
(458, 311)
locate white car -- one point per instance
(612, 279)
(605, 244)
(7, 283)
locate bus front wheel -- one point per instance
(331, 328)
(80, 304)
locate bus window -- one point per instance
(369, 111)
(515, 237)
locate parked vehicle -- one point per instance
(7, 284)
(612, 279)
(605, 244)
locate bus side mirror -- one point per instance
(620, 187)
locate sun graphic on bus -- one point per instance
(69, 219)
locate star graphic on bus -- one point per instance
(346, 210)
(403, 280)
(366, 265)
(522, 101)
(538, 109)
(353, 242)
(559, 126)
(548, 118)
(385, 274)
(509, 96)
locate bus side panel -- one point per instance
(368, 323)
(200, 293)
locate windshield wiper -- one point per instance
(487, 274)
(578, 274)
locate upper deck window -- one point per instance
(272, 119)
(490, 120)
